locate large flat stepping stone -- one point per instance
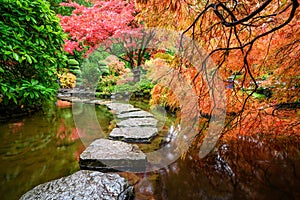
(109, 155)
(134, 134)
(121, 107)
(136, 114)
(83, 185)
(135, 122)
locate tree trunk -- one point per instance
(136, 74)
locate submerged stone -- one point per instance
(134, 134)
(136, 114)
(108, 155)
(83, 185)
(136, 122)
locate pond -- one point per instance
(45, 146)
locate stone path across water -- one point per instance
(105, 155)
(114, 154)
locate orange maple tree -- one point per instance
(256, 50)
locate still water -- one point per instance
(41, 147)
(46, 146)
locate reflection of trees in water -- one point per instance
(250, 168)
(260, 168)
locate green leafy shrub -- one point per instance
(63, 10)
(90, 74)
(104, 70)
(124, 88)
(31, 51)
(145, 86)
(73, 62)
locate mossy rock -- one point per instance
(73, 62)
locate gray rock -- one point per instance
(80, 100)
(133, 122)
(83, 185)
(108, 155)
(133, 134)
(136, 114)
(66, 98)
(96, 101)
(121, 107)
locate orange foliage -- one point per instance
(265, 122)
(263, 50)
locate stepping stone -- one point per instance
(134, 134)
(96, 101)
(109, 155)
(78, 100)
(140, 122)
(137, 114)
(121, 107)
(83, 185)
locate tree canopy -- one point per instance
(90, 26)
(255, 47)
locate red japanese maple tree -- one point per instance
(90, 26)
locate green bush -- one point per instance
(124, 88)
(144, 86)
(107, 86)
(73, 62)
(31, 51)
(63, 10)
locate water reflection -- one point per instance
(46, 146)
(39, 148)
(251, 168)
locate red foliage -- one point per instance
(89, 26)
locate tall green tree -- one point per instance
(31, 40)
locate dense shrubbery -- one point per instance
(63, 10)
(31, 52)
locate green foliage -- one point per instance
(144, 86)
(31, 51)
(29, 91)
(90, 73)
(124, 88)
(107, 85)
(104, 70)
(93, 67)
(73, 62)
(63, 10)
